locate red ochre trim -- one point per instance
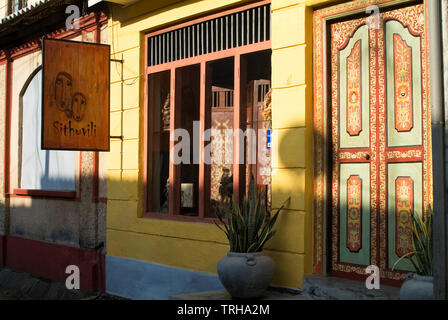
(49, 260)
(44, 193)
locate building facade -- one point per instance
(348, 85)
(336, 99)
(52, 203)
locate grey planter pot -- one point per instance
(246, 275)
(417, 288)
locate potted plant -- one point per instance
(246, 271)
(419, 285)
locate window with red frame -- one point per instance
(204, 80)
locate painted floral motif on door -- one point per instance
(354, 125)
(403, 85)
(404, 204)
(354, 213)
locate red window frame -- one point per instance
(239, 119)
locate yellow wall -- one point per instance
(199, 246)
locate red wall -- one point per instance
(50, 260)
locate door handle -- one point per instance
(367, 156)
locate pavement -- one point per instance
(15, 285)
(272, 293)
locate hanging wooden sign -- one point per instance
(75, 99)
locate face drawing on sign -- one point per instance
(79, 102)
(63, 91)
(73, 105)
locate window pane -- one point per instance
(258, 93)
(41, 169)
(221, 110)
(187, 119)
(158, 142)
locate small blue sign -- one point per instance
(268, 138)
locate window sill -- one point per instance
(180, 218)
(44, 194)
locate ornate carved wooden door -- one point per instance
(381, 149)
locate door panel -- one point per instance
(404, 83)
(353, 91)
(354, 208)
(352, 135)
(404, 181)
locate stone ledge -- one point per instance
(332, 288)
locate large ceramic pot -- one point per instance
(417, 288)
(246, 275)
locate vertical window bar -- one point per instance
(191, 41)
(163, 48)
(171, 46)
(159, 49)
(242, 29)
(206, 38)
(212, 34)
(237, 33)
(259, 23)
(231, 31)
(264, 23)
(268, 23)
(227, 32)
(248, 28)
(216, 35)
(175, 45)
(202, 38)
(167, 51)
(188, 33)
(151, 51)
(178, 47)
(253, 25)
(193, 38)
(155, 51)
(198, 40)
(183, 45)
(222, 33)
(166, 48)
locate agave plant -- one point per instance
(421, 254)
(250, 226)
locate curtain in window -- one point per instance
(42, 169)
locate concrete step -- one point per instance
(332, 288)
